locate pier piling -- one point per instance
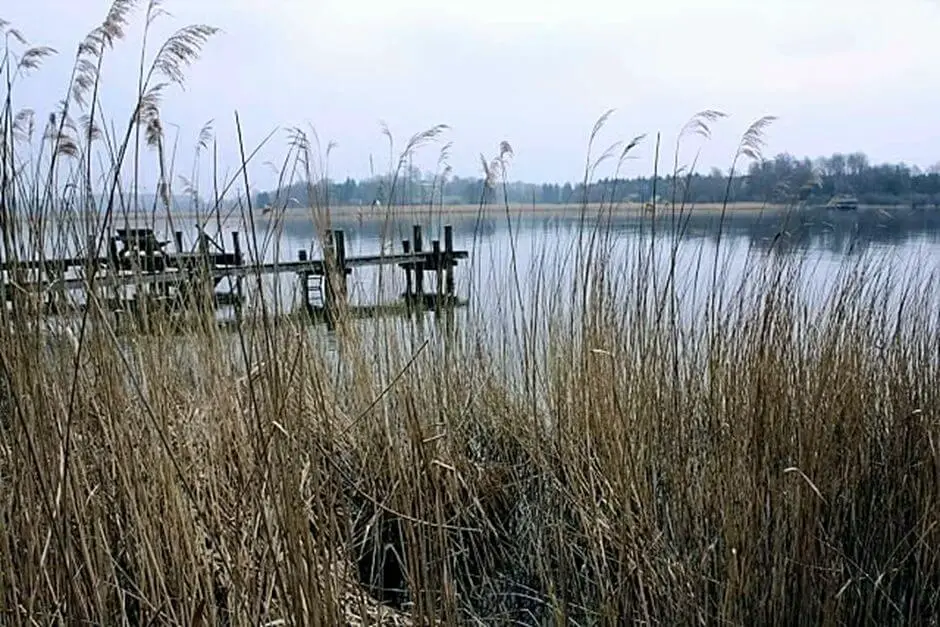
(409, 293)
(239, 261)
(449, 260)
(419, 267)
(438, 271)
(304, 277)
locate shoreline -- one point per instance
(372, 214)
(348, 213)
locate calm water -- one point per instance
(513, 258)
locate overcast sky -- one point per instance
(841, 75)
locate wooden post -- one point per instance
(438, 271)
(339, 240)
(419, 267)
(178, 239)
(239, 261)
(304, 277)
(202, 283)
(237, 248)
(406, 248)
(203, 243)
(449, 259)
(112, 295)
(327, 287)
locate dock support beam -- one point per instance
(203, 284)
(112, 296)
(419, 267)
(334, 270)
(304, 278)
(239, 261)
(339, 241)
(449, 260)
(409, 295)
(438, 272)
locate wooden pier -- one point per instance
(136, 259)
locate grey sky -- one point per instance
(842, 75)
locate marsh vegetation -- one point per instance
(605, 454)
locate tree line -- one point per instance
(781, 179)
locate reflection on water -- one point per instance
(819, 238)
(819, 230)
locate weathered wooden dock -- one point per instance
(136, 259)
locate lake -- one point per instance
(513, 255)
(523, 259)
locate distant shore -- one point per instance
(346, 214)
(369, 213)
(524, 208)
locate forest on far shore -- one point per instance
(782, 179)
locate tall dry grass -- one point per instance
(766, 462)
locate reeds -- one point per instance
(594, 456)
